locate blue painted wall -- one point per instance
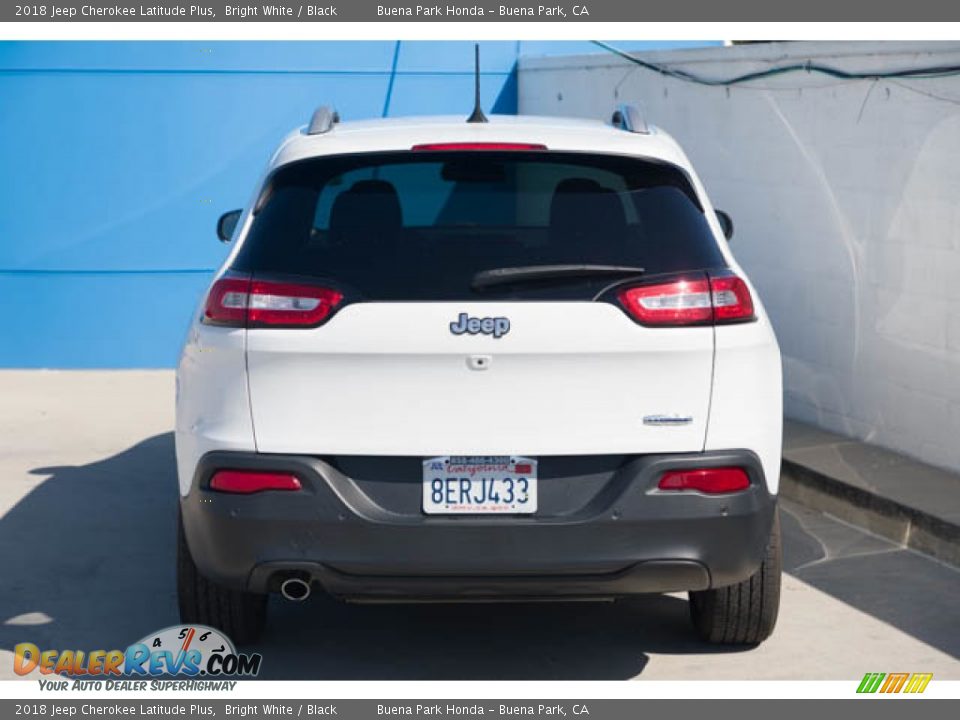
(117, 158)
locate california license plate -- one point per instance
(474, 485)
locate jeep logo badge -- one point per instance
(498, 326)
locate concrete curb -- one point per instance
(882, 515)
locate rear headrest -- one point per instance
(560, 206)
(367, 205)
(576, 185)
(587, 221)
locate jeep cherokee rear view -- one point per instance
(508, 360)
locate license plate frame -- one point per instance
(479, 485)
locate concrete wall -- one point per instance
(846, 198)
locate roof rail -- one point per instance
(629, 118)
(323, 120)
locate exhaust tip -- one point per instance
(295, 589)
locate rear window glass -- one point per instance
(420, 225)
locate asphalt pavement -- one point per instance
(87, 529)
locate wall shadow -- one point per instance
(91, 548)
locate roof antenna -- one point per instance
(477, 115)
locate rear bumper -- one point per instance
(366, 539)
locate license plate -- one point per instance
(478, 485)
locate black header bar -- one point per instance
(581, 11)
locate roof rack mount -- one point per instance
(629, 118)
(323, 120)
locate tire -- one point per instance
(240, 615)
(744, 613)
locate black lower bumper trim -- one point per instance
(626, 538)
(653, 576)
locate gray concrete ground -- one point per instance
(87, 513)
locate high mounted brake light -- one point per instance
(704, 300)
(241, 302)
(458, 146)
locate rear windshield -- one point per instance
(420, 225)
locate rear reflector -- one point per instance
(442, 147)
(715, 299)
(237, 302)
(712, 481)
(245, 482)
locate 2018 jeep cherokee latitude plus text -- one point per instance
(461, 361)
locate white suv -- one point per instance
(509, 359)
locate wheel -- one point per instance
(240, 615)
(744, 613)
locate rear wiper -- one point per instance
(535, 273)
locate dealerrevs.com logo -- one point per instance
(193, 651)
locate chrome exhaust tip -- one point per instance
(295, 589)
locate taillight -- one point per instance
(240, 302)
(227, 302)
(681, 302)
(286, 304)
(716, 299)
(712, 481)
(731, 299)
(245, 482)
(456, 146)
